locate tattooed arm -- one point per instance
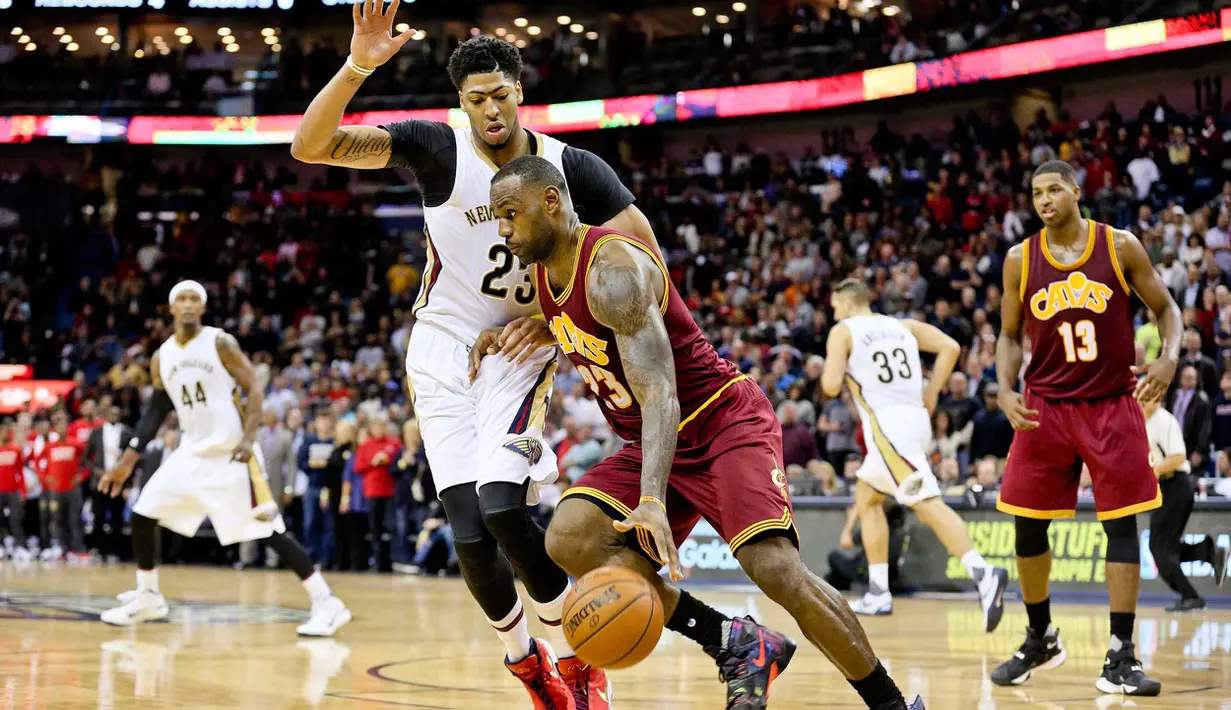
(320, 137)
(624, 288)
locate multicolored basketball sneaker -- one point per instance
(750, 659)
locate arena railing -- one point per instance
(1015, 60)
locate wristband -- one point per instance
(350, 62)
(652, 499)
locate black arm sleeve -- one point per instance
(597, 192)
(155, 412)
(429, 150)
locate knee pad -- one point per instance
(478, 558)
(525, 544)
(461, 504)
(1123, 545)
(514, 530)
(1031, 536)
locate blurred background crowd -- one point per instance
(315, 271)
(598, 50)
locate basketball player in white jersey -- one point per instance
(480, 425)
(877, 358)
(217, 470)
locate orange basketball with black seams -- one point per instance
(613, 618)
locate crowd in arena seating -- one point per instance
(753, 241)
(808, 39)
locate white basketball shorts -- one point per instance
(488, 431)
(897, 463)
(188, 488)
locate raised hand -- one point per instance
(373, 43)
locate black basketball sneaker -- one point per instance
(749, 660)
(1122, 674)
(1036, 654)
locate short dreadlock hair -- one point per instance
(481, 55)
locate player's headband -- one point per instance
(188, 285)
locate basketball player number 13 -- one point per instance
(1082, 330)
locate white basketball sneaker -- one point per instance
(327, 617)
(146, 606)
(873, 604)
(125, 597)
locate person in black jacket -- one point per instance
(992, 434)
(1207, 372)
(1192, 408)
(102, 450)
(352, 526)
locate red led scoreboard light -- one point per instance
(1023, 59)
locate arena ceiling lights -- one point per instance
(1015, 60)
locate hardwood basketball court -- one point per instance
(422, 643)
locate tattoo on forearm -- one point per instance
(650, 370)
(352, 149)
(355, 79)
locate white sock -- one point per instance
(147, 580)
(972, 561)
(317, 588)
(550, 613)
(878, 576)
(514, 633)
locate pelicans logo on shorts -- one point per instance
(532, 449)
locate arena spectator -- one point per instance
(373, 461)
(60, 463)
(354, 550)
(319, 522)
(991, 435)
(1191, 407)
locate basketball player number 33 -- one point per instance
(1079, 341)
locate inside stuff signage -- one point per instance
(1079, 548)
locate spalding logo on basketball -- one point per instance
(613, 618)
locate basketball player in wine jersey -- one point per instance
(704, 443)
(1071, 286)
(217, 471)
(481, 426)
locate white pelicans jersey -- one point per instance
(471, 280)
(204, 393)
(884, 362)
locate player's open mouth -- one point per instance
(495, 130)
(1047, 212)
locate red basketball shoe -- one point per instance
(590, 686)
(538, 672)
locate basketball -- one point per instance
(613, 618)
